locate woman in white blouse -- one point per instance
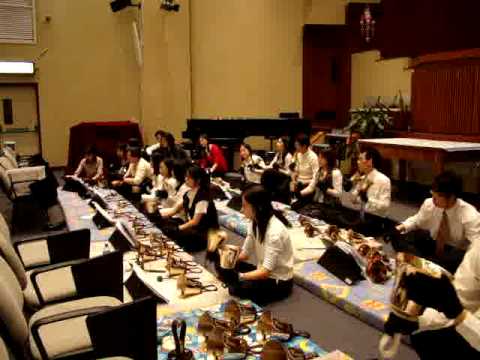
(252, 164)
(268, 241)
(304, 172)
(200, 211)
(283, 158)
(164, 183)
(276, 177)
(330, 179)
(175, 198)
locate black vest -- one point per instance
(210, 219)
(323, 185)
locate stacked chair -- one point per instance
(16, 180)
(56, 303)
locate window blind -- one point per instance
(17, 21)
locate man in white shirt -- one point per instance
(371, 190)
(451, 322)
(304, 174)
(444, 227)
(374, 190)
(139, 170)
(161, 143)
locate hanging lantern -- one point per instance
(367, 24)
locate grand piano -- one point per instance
(230, 133)
(236, 130)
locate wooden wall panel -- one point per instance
(446, 97)
(326, 76)
(409, 28)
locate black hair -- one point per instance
(159, 132)
(169, 165)
(170, 140)
(248, 147)
(179, 169)
(156, 159)
(134, 142)
(200, 176)
(303, 140)
(448, 183)
(91, 150)
(204, 136)
(372, 154)
(331, 157)
(135, 152)
(261, 201)
(122, 147)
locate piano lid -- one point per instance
(240, 128)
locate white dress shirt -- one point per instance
(275, 253)
(139, 171)
(337, 185)
(254, 175)
(90, 170)
(463, 221)
(177, 200)
(285, 167)
(467, 284)
(150, 149)
(167, 184)
(306, 170)
(378, 193)
(201, 207)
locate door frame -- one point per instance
(34, 85)
(312, 38)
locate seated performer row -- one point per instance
(316, 180)
(318, 189)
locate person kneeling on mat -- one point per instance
(268, 239)
(200, 212)
(450, 323)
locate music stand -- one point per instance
(122, 238)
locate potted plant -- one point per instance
(370, 121)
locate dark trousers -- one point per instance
(420, 243)
(301, 201)
(191, 240)
(278, 184)
(326, 212)
(370, 225)
(126, 191)
(260, 292)
(436, 344)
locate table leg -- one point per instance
(438, 164)
(402, 170)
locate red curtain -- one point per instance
(104, 135)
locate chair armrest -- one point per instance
(26, 174)
(65, 246)
(38, 272)
(136, 330)
(99, 276)
(38, 237)
(57, 318)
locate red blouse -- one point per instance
(215, 156)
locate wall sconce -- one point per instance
(367, 24)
